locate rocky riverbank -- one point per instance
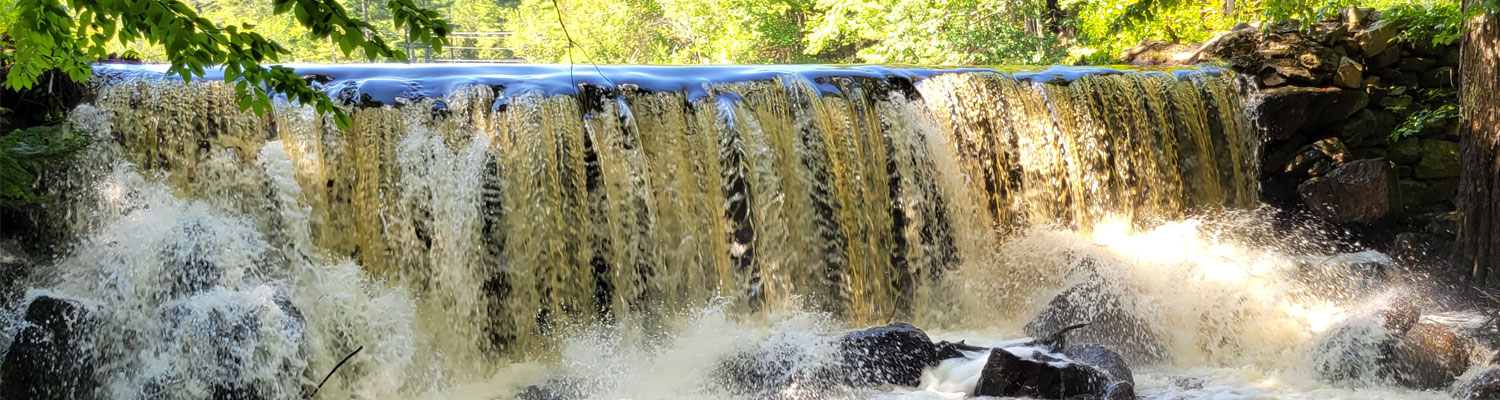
(1360, 125)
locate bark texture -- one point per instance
(1478, 252)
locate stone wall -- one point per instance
(1331, 97)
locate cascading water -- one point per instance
(490, 227)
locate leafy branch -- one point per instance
(51, 35)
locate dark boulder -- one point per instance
(892, 354)
(1046, 376)
(48, 358)
(1283, 112)
(1439, 159)
(553, 389)
(1359, 349)
(1106, 360)
(1110, 313)
(1359, 191)
(1478, 384)
(1440, 347)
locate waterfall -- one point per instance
(471, 215)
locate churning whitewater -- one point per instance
(492, 232)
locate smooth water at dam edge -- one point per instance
(480, 229)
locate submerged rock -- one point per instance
(1111, 319)
(892, 354)
(1106, 360)
(1441, 347)
(1046, 375)
(553, 389)
(1477, 384)
(49, 357)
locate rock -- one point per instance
(1439, 223)
(186, 265)
(1383, 60)
(1405, 78)
(1481, 383)
(1113, 365)
(1421, 247)
(1450, 57)
(1438, 129)
(1416, 64)
(1292, 71)
(1385, 122)
(1434, 207)
(1238, 47)
(47, 359)
(1320, 59)
(1313, 159)
(1358, 129)
(230, 342)
(1348, 275)
(1355, 18)
(1333, 149)
(892, 354)
(1111, 317)
(1329, 33)
(1441, 77)
(1413, 193)
(1441, 190)
(1285, 27)
(1348, 74)
(1157, 52)
(1439, 348)
(1286, 111)
(1360, 348)
(1359, 191)
(1369, 152)
(1042, 375)
(1377, 37)
(1405, 151)
(1439, 160)
(553, 389)
(1270, 79)
(1396, 101)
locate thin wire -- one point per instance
(572, 44)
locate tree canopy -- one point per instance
(68, 36)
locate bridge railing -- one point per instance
(467, 47)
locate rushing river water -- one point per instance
(497, 228)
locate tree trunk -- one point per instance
(1054, 17)
(1478, 253)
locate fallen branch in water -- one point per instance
(331, 371)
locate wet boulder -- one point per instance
(1359, 349)
(48, 358)
(892, 354)
(1477, 384)
(1110, 314)
(1283, 112)
(1106, 360)
(1360, 191)
(1441, 347)
(1032, 372)
(553, 389)
(233, 344)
